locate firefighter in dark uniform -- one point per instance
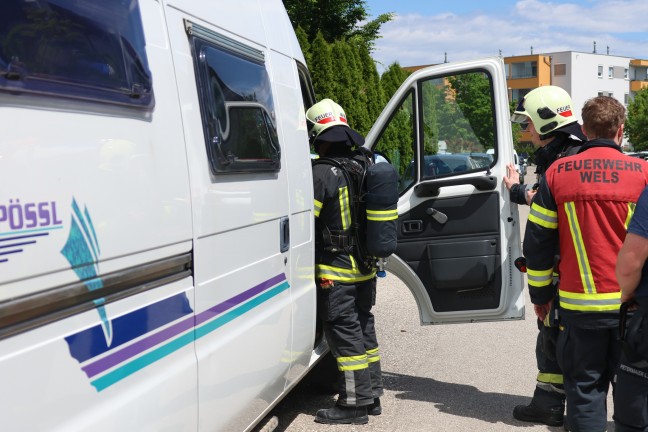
(547, 114)
(583, 207)
(631, 393)
(346, 293)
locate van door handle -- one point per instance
(284, 234)
(437, 215)
(412, 226)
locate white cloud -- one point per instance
(546, 26)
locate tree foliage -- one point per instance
(336, 20)
(473, 97)
(636, 125)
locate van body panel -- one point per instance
(156, 245)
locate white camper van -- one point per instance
(156, 214)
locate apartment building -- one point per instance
(583, 75)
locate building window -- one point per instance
(625, 73)
(524, 70)
(626, 98)
(604, 93)
(610, 72)
(560, 69)
(518, 94)
(600, 71)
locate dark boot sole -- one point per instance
(375, 411)
(536, 419)
(354, 420)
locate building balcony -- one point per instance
(636, 85)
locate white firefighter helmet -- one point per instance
(548, 107)
(327, 121)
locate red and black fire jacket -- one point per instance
(582, 209)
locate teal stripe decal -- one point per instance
(235, 313)
(151, 357)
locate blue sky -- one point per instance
(423, 31)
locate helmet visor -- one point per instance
(520, 114)
(517, 117)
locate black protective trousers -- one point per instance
(588, 357)
(345, 309)
(549, 379)
(631, 394)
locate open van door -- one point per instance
(447, 131)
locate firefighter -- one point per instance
(345, 292)
(547, 114)
(582, 208)
(631, 393)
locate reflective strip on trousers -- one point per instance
(353, 363)
(550, 378)
(373, 355)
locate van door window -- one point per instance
(236, 104)
(455, 134)
(88, 50)
(458, 125)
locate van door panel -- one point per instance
(448, 133)
(243, 285)
(457, 261)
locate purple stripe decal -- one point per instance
(138, 347)
(117, 357)
(238, 299)
(24, 236)
(11, 252)
(17, 244)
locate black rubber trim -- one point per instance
(20, 314)
(431, 189)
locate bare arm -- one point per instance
(630, 262)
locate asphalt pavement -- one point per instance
(454, 378)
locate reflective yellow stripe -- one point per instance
(587, 302)
(372, 355)
(318, 208)
(631, 209)
(540, 278)
(345, 208)
(382, 215)
(543, 217)
(342, 274)
(352, 363)
(550, 378)
(579, 246)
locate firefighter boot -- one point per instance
(375, 409)
(546, 407)
(342, 415)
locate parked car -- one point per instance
(520, 166)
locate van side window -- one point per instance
(236, 104)
(89, 50)
(308, 93)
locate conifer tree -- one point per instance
(321, 68)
